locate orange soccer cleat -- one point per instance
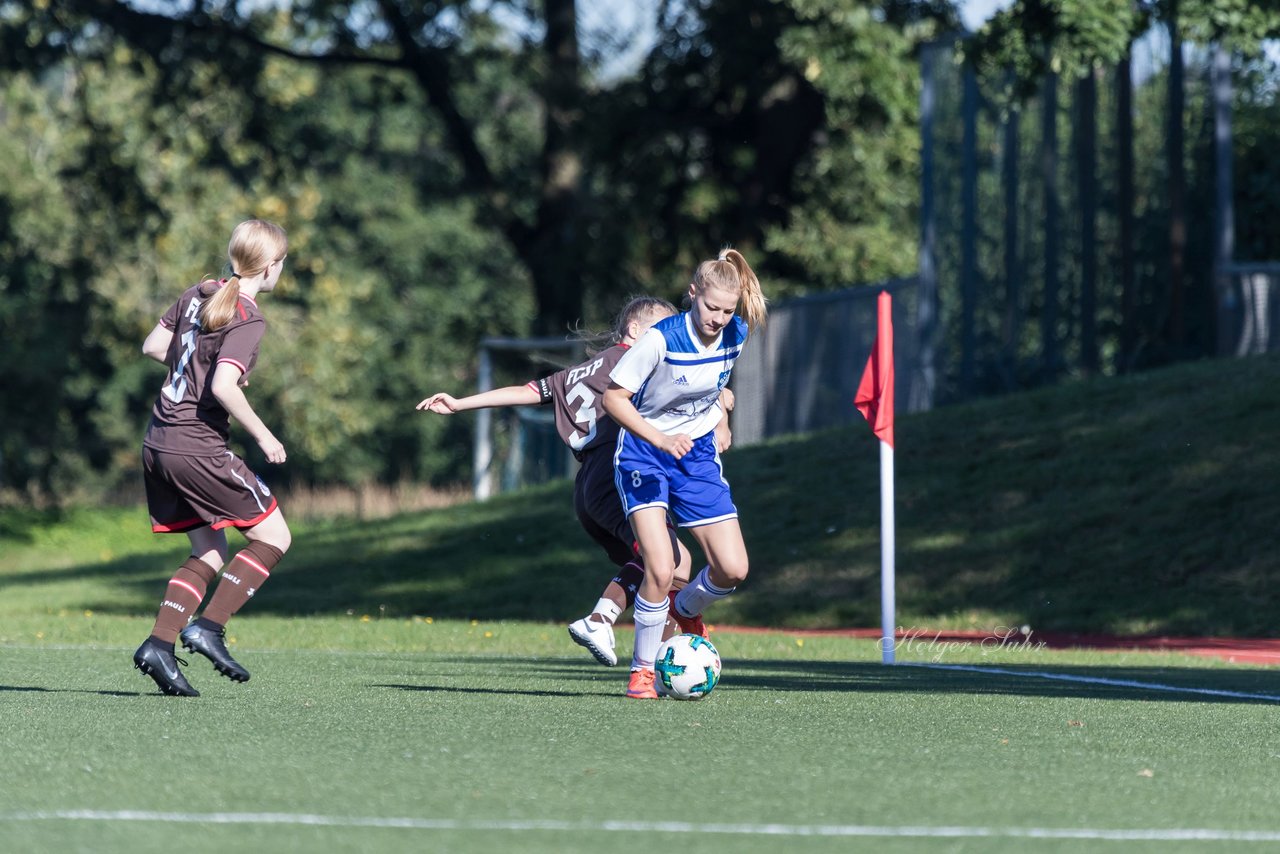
(641, 685)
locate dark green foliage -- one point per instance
(442, 177)
(445, 177)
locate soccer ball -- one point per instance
(687, 667)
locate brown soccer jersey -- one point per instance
(578, 395)
(187, 418)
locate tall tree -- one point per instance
(435, 43)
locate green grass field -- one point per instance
(403, 735)
(414, 688)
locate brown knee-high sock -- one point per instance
(181, 598)
(244, 575)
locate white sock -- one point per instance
(650, 619)
(698, 594)
(608, 609)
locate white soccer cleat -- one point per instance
(596, 637)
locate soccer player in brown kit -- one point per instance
(575, 395)
(195, 484)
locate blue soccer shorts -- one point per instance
(692, 488)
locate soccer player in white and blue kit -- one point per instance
(665, 396)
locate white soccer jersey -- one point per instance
(676, 381)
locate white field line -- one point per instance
(1096, 680)
(1189, 834)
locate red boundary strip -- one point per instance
(1235, 650)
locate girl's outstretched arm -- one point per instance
(512, 395)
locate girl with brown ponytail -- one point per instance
(195, 484)
(665, 396)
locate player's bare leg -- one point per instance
(727, 567)
(594, 632)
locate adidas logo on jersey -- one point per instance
(681, 380)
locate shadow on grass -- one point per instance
(453, 689)
(37, 689)
(575, 678)
(482, 567)
(572, 671)
(1142, 684)
(1169, 684)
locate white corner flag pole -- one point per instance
(887, 604)
(875, 400)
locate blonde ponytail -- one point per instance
(220, 309)
(755, 310)
(730, 271)
(254, 245)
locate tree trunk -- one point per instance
(1012, 293)
(1052, 207)
(1177, 189)
(553, 252)
(1086, 102)
(969, 232)
(546, 247)
(1124, 205)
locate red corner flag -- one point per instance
(875, 393)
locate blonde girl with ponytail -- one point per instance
(665, 396)
(573, 394)
(195, 484)
(256, 253)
